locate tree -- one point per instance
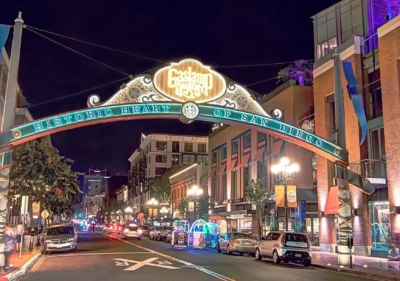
(255, 193)
(203, 206)
(39, 172)
(161, 187)
(301, 71)
(183, 207)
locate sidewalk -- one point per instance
(375, 268)
(23, 264)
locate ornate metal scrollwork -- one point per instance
(148, 98)
(229, 104)
(276, 113)
(93, 101)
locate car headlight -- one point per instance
(70, 239)
(47, 241)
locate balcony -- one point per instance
(372, 169)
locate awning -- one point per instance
(332, 204)
(211, 174)
(259, 154)
(245, 160)
(216, 218)
(221, 169)
(231, 165)
(276, 148)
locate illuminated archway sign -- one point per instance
(186, 91)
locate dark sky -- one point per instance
(216, 32)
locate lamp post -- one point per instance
(153, 203)
(283, 173)
(128, 210)
(194, 193)
(164, 211)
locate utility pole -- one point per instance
(344, 212)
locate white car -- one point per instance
(132, 231)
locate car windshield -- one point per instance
(144, 227)
(168, 228)
(133, 228)
(242, 235)
(60, 230)
(296, 238)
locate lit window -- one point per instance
(188, 147)
(223, 152)
(325, 47)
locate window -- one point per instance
(314, 168)
(223, 152)
(261, 137)
(149, 161)
(246, 175)
(379, 216)
(234, 147)
(247, 141)
(201, 147)
(160, 171)
(374, 95)
(161, 158)
(214, 188)
(161, 145)
(326, 47)
(202, 159)
(175, 146)
(262, 171)
(175, 160)
(187, 159)
(234, 183)
(214, 157)
(188, 147)
(224, 186)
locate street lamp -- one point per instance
(283, 173)
(152, 203)
(194, 193)
(128, 210)
(164, 211)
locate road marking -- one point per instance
(98, 254)
(139, 264)
(188, 264)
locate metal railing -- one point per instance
(370, 168)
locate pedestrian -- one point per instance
(93, 225)
(20, 233)
(394, 256)
(9, 245)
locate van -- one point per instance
(61, 237)
(286, 247)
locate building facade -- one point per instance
(181, 182)
(157, 153)
(238, 155)
(366, 33)
(95, 185)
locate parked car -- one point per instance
(164, 232)
(155, 233)
(61, 237)
(144, 230)
(237, 242)
(132, 231)
(286, 247)
(113, 228)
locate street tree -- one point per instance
(256, 193)
(42, 174)
(203, 206)
(183, 207)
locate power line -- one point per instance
(72, 50)
(254, 65)
(266, 80)
(97, 45)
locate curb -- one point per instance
(22, 270)
(353, 272)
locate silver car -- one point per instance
(237, 242)
(132, 231)
(60, 238)
(286, 247)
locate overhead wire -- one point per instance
(75, 51)
(97, 45)
(262, 81)
(87, 90)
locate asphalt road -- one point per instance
(101, 257)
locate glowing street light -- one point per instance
(194, 193)
(152, 203)
(283, 173)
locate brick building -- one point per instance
(367, 33)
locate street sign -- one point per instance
(24, 205)
(45, 214)
(191, 207)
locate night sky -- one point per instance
(218, 33)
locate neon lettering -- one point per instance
(189, 84)
(90, 115)
(244, 117)
(109, 112)
(57, 121)
(79, 116)
(38, 127)
(124, 110)
(68, 118)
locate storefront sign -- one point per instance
(24, 205)
(189, 80)
(35, 209)
(291, 196)
(191, 207)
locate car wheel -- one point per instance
(229, 250)
(307, 263)
(258, 255)
(275, 257)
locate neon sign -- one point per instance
(209, 113)
(189, 80)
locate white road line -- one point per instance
(97, 254)
(189, 264)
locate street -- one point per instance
(101, 257)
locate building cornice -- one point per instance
(388, 27)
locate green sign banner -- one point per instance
(210, 113)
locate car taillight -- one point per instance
(140, 231)
(126, 230)
(111, 227)
(119, 228)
